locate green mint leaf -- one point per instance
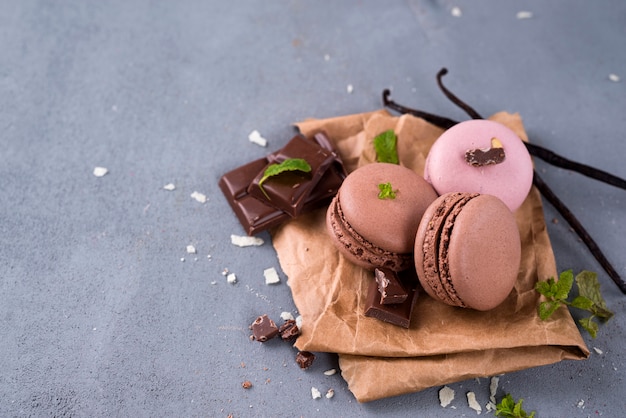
(589, 287)
(385, 145)
(544, 287)
(386, 191)
(546, 309)
(510, 409)
(589, 325)
(290, 164)
(582, 302)
(564, 285)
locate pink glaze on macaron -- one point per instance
(379, 232)
(448, 171)
(468, 250)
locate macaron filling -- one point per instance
(361, 249)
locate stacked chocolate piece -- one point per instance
(289, 194)
(392, 297)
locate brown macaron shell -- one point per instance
(356, 249)
(468, 250)
(375, 232)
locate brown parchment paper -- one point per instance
(444, 344)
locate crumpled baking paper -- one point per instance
(444, 344)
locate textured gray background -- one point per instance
(98, 314)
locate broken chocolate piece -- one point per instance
(263, 328)
(397, 314)
(290, 190)
(305, 359)
(289, 330)
(488, 156)
(389, 286)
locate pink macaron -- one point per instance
(481, 156)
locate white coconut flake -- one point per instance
(169, 187)
(524, 14)
(330, 393)
(191, 249)
(315, 393)
(231, 278)
(598, 351)
(245, 241)
(256, 138)
(286, 316)
(330, 372)
(581, 403)
(446, 395)
(493, 388)
(327, 57)
(299, 321)
(271, 276)
(472, 403)
(456, 12)
(614, 78)
(100, 171)
(349, 88)
(199, 197)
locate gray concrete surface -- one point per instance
(98, 314)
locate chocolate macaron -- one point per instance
(468, 250)
(374, 217)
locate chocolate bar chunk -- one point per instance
(397, 314)
(263, 328)
(305, 359)
(290, 190)
(389, 286)
(256, 215)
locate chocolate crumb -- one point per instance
(305, 359)
(289, 330)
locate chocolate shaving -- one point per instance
(542, 153)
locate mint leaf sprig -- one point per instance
(508, 408)
(589, 298)
(386, 191)
(385, 145)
